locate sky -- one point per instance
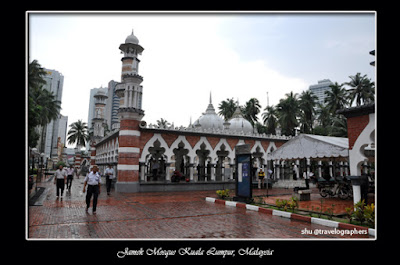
(187, 56)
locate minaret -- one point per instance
(98, 123)
(130, 113)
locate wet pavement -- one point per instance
(170, 215)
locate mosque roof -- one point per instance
(210, 119)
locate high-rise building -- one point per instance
(57, 128)
(112, 106)
(320, 89)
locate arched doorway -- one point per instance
(156, 162)
(220, 167)
(181, 159)
(202, 154)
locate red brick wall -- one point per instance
(129, 141)
(355, 125)
(128, 176)
(129, 125)
(232, 142)
(192, 140)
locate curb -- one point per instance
(290, 215)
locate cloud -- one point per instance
(195, 60)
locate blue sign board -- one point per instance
(243, 180)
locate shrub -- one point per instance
(223, 193)
(362, 213)
(285, 204)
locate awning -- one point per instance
(312, 146)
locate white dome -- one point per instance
(132, 39)
(239, 124)
(210, 119)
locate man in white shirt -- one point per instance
(60, 178)
(306, 176)
(70, 177)
(93, 181)
(109, 172)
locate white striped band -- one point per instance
(129, 150)
(129, 132)
(127, 167)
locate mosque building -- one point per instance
(146, 156)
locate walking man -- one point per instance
(60, 180)
(306, 176)
(93, 181)
(70, 177)
(109, 172)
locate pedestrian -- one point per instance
(70, 177)
(93, 181)
(261, 176)
(306, 176)
(60, 180)
(76, 171)
(270, 175)
(109, 172)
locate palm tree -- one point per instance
(42, 104)
(78, 134)
(287, 110)
(337, 98)
(270, 119)
(362, 89)
(163, 123)
(307, 103)
(227, 108)
(325, 120)
(35, 75)
(339, 126)
(251, 110)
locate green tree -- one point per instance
(362, 89)
(339, 126)
(42, 104)
(270, 119)
(337, 98)
(78, 134)
(163, 123)
(325, 121)
(307, 103)
(287, 112)
(251, 110)
(227, 108)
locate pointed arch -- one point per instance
(150, 143)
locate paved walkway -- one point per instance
(154, 215)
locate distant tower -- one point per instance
(98, 122)
(130, 113)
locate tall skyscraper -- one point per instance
(320, 89)
(57, 128)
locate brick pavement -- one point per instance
(154, 215)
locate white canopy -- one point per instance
(312, 146)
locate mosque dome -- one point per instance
(239, 124)
(132, 39)
(209, 119)
(100, 92)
